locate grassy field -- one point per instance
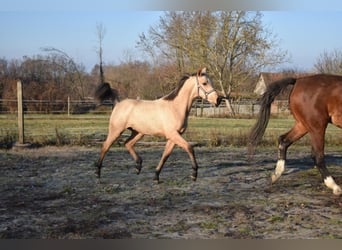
(92, 128)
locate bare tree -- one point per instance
(329, 62)
(234, 45)
(68, 65)
(100, 32)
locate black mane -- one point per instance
(171, 96)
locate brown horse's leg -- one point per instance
(180, 141)
(167, 151)
(285, 141)
(317, 142)
(112, 136)
(129, 144)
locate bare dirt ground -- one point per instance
(52, 192)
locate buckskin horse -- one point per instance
(166, 116)
(314, 101)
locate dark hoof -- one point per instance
(156, 179)
(193, 178)
(138, 170)
(98, 173)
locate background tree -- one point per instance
(73, 70)
(329, 62)
(131, 79)
(234, 45)
(47, 80)
(100, 32)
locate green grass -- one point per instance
(90, 128)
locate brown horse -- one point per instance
(314, 101)
(166, 117)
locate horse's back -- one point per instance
(135, 106)
(320, 87)
(317, 95)
(126, 104)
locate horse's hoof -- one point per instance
(156, 179)
(337, 191)
(193, 178)
(137, 170)
(97, 174)
(274, 178)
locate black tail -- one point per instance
(105, 92)
(267, 98)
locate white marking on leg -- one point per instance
(330, 183)
(280, 168)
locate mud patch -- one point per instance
(52, 192)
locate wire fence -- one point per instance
(86, 122)
(199, 108)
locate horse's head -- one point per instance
(205, 88)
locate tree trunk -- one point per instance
(227, 100)
(230, 107)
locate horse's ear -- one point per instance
(202, 71)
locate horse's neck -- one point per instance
(185, 99)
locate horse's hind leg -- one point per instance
(285, 141)
(317, 142)
(167, 151)
(113, 134)
(129, 144)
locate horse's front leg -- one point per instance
(193, 163)
(180, 141)
(167, 151)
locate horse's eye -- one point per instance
(205, 83)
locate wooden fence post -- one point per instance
(20, 112)
(68, 106)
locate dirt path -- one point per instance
(52, 192)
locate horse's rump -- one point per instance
(322, 88)
(258, 130)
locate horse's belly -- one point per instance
(156, 127)
(147, 126)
